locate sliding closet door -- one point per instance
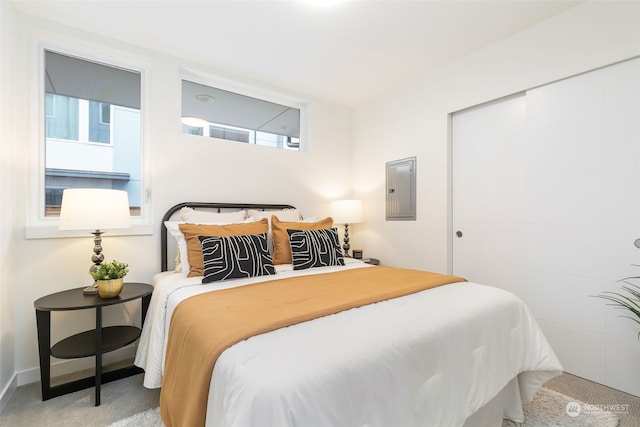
(556, 226)
(488, 193)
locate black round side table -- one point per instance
(94, 342)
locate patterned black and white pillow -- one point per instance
(234, 257)
(315, 248)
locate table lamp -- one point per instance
(346, 212)
(94, 209)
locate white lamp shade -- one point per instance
(94, 209)
(346, 211)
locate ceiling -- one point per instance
(346, 53)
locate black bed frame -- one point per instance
(216, 207)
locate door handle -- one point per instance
(459, 233)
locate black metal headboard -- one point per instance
(218, 207)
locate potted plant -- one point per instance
(629, 301)
(110, 278)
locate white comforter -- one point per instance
(431, 359)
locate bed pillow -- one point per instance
(195, 216)
(181, 263)
(281, 247)
(235, 257)
(282, 214)
(194, 249)
(315, 248)
(181, 260)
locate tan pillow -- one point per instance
(194, 249)
(281, 246)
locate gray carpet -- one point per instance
(550, 408)
(119, 399)
(597, 394)
(127, 397)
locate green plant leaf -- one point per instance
(629, 303)
(111, 270)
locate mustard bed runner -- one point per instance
(203, 326)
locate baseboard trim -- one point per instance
(65, 367)
(7, 392)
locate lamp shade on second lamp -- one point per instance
(346, 211)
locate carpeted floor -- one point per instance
(127, 397)
(119, 399)
(596, 394)
(550, 408)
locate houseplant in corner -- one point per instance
(110, 278)
(629, 301)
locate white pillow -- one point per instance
(283, 268)
(194, 216)
(181, 245)
(289, 215)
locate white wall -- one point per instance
(7, 334)
(184, 168)
(413, 119)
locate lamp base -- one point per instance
(91, 290)
(346, 245)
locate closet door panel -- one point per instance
(571, 198)
(488, 183)
(566, 249)
(566, 233)
(562, 299)
(584, 351)
(623, 216)
(566, 147)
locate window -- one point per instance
(105, 113)
(217, 113)
(92, 129)
(49, 106)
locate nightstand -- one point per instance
(372, 261)
(94, 342)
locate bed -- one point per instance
(457, 354)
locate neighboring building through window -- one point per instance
(217, 113)
(93, 129)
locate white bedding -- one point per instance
(431, 358)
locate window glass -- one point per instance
(105, 113)
(99, 130)
(222, 114)
(61, 117)
(93, 129)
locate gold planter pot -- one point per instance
(110, 288)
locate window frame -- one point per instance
(199, 77)
(38, 225)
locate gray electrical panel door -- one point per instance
(401, 189)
